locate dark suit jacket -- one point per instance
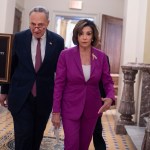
(23, 74)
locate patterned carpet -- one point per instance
(113, 141)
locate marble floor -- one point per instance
(113, 141)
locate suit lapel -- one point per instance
(28, 47)
(49, 49)
(77, 59)
(93, 61)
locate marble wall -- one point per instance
(145, 98)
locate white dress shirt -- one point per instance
(86, 71)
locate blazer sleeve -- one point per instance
(101, 87)
(60, 82)
(106, 80)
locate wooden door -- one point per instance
(111, 37)
(17, 20)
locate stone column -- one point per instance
(127, 108)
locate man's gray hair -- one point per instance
(40, 9)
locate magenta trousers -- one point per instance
(78, 133)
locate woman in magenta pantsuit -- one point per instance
(77, 99)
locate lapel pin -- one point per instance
(50, 43)
(94, 57)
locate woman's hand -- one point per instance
(56, 120)
(106, 105)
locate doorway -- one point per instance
(64, 26)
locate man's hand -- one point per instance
(3, 100)
(106, 105)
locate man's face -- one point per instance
(38, 24)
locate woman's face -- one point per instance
(85, 37)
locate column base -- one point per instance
(120, 127)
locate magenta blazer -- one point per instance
(73, 96)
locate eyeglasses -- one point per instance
(39, 26)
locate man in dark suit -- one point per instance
(30, 92)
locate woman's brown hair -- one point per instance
(78, 29)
